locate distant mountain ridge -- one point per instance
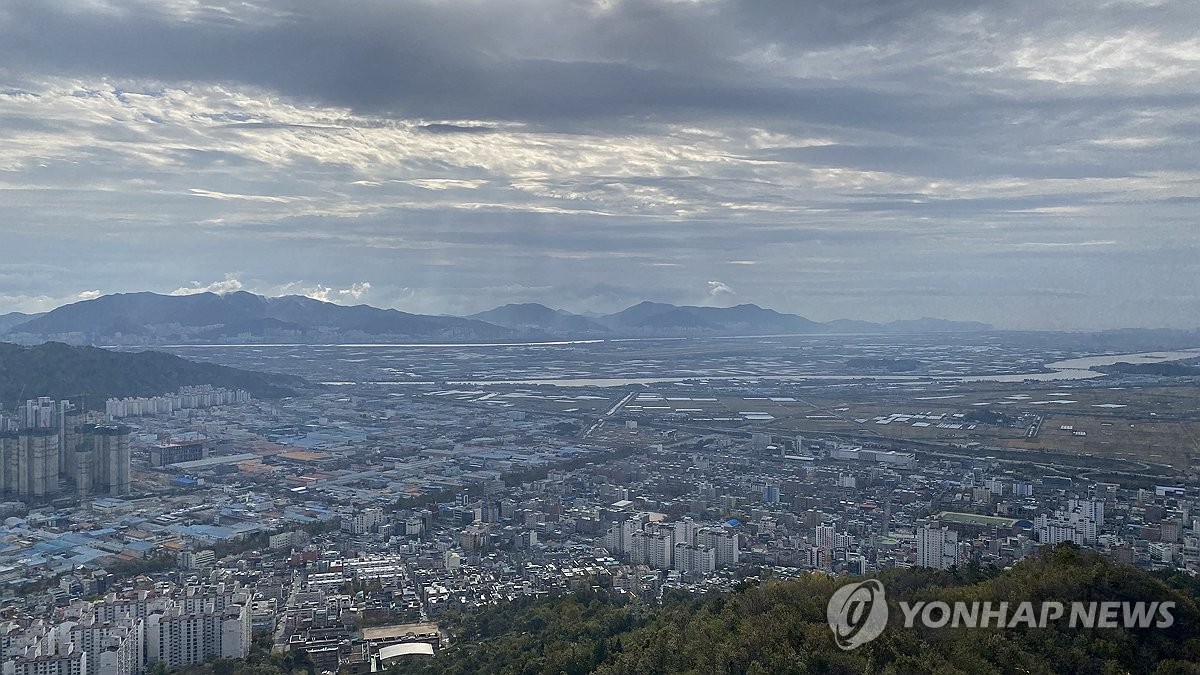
(532, 315)
(740, 318)
(12, 319)
(151, 318)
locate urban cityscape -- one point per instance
(348, 521)
(599, 337)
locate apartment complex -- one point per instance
(49, 443)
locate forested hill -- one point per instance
(62, 371)
(780, 627)
(1190, 368)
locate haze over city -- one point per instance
(1024, 165)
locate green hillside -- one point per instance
(62, 371)
(780, 627)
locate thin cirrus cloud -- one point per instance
(872, 160)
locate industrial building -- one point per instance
(173, 452)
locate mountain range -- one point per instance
(150, 318)
(8, 321)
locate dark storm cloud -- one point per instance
(535, 62)
(562, 65)
(406, 62)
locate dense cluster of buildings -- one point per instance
(346, 524)
(124, 633)
(685, 545)
(50, 448)
(187, 398)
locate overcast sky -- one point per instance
(1029, 164)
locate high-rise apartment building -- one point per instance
(724, 544)
(46, 445)
(698, 560)
(179, 637)
(129, 634)
(936, 547)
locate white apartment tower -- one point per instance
(936, 547)
(179, 637)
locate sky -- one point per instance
(1028, 164)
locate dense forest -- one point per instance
(781, 627)
(65, 372)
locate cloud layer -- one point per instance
(1027, 165)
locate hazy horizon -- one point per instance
(353, 296)
(1028, 166)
